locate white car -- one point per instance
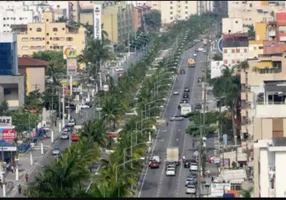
(118, 69)
(176, 93)
(56, 151)
(170, 171)
(71, 122)
(83, 106)
(98, 109)
(194, 55)
(157, 158)
(193, 166)
(64, 136)
(191, 189)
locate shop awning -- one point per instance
(264, 65)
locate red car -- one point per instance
(154, 164)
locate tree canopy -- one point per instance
(153, 19)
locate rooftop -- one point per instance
(31, 62)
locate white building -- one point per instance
(272, 165)
(232, 25)
(10, 17)
(216, 68)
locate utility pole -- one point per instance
(202, 127)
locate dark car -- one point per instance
(187, 163)
(186, 89)
(198, 107)
(185, 101)
(185, 95)
(88, 104)
(71, 106)
(182, 71)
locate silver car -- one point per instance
(177, 118)
(64, 136)
(56, 151)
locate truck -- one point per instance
(191, 63)
(173, 156)
(185, 109)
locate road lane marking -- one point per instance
(184, 139)
(178, 100)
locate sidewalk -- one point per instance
(26, 167)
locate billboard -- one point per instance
(216, 67)
(97, 11)
(7, 134)
(71, 67)
(5, 121)
(218, 189)
(69, 52)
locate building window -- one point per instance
(25, 48)
(32, 48)
(48, 42)
(171, 2)
(55, 29)
(261, 47)
(69, 39)
(171, 18)
(237, 50)
(32, 39)
(254, 48)
(62, 38)
(3, 18)
(225, 62)
(186, 7)
(61, 47)
(56, 39)
(225, 51)
(39, 30)
(171, 13)
(47, 20)
(48, 34)
(232, 51)
(238, 61)
(186, 12)
(171, 7)
(51, 47)
(63, 29)
(30, 29)
(38, 47)
(25, 39)
(38, 39)
(51, 38)
(186, 2)
(233, 61)
(245, 50)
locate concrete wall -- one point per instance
(280, 166)
(19, 80)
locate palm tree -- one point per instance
(95, 131)
(246, 193)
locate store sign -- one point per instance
(8, 148)
(5, 121)
(97, 9)
(71, 67)
(69, 52)
(8, 134)
(218, 189)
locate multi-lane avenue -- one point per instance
(155, 182)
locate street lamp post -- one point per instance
(151, 103)
(124, 151)
(128, 161)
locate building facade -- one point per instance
(235, 48)
(33, 68)
(11, 84)
(256, 46)
(118, 22)
(139, 13)
(48, 35)
(232, 25)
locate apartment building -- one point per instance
(12, 87)
(232, 25)
(269, 150)
(48, 35)
(139, 13)
(252, 12)
(235, 48)
(172, 11)
(118, 22)
(255, 47)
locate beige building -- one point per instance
(253, 82)
(255, 47)
(253, 11)
(48, 35)
(232, 25)
(118, 22)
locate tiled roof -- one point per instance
(31, 62)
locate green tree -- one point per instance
(4, 108)
(23, 120)
(251, 32)
(246, 193)
(33, 100)
(217, 57)
(153, 19)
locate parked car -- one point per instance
(72, 122)
(89, 104)
(98, 109)
(191, 189)
(67, 128)
(56, 151)
(70, 106)
(64, 136)
(185, 95)
(176, 93)
(177, 118)
(187, 163)
(83, 106)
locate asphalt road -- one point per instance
(156, 183)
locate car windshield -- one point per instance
(56, 149)
(191, 186)
(170, 169)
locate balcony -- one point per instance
(271, 110)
